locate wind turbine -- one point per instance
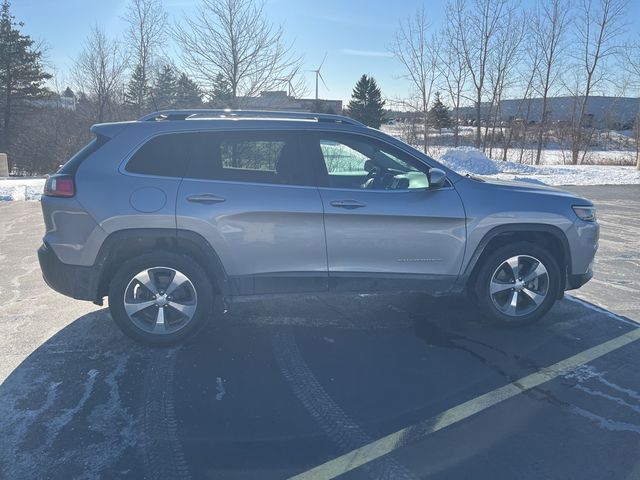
(319, 75)
(291, 91)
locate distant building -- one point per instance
(600, 112)
(279, 100)
(67, 103)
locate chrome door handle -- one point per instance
(205, 198)
(349, 204)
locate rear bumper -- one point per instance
(71, 280)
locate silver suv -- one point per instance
(164, 213)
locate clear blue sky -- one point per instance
(354, 33)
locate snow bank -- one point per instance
(473, 161)
(21, 188)
(470, 160)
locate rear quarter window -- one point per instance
(164, 156)
(71, 167)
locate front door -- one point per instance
(384, 226)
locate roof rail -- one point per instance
(208, 113)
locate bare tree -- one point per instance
(549, 32)
(98, 72)
(632, 65)
(477, 25)
(453, 70)
(235, 39)
(506, 54)
(519, 123)
(146, 32)
(599, 28)
(419, 55)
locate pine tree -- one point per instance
(68, 93)
(366, 103)
(439, 114)
(137, 94)
(22, 75)
(164, 90)
(188, 93)
(221, 94)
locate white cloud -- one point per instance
(366, 53)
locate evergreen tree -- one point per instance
(68, 93)
(137, 91)
(22, 75)
(366, 103)
(221, 94)
(165, 89)
(439, 114)
(188, 93)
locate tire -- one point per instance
(495, 285)
(151, 308)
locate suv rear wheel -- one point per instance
(160, 298)
(517, 284)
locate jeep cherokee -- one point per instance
(164, 213)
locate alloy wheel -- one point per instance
(519, 285)
(160, 300)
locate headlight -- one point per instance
(588, 214)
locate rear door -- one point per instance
(252, 196)
(385, 226)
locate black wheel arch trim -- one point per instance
(183, 241)
(519, 228)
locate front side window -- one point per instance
(358, 162)
(256, 157)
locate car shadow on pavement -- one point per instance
(272, 388)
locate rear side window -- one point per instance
(256, 157)
(251, 154)
(163, 156)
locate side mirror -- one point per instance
(437, 178)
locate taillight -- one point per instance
(60, 186)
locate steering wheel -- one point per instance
(373, 178)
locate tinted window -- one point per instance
(165, 155)
(251, 154)
(355, 161)
(257, 157)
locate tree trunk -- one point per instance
(478, 128)
(543, 123)
(425, 143)
(5, 137)
(638, 141)
(456, 129)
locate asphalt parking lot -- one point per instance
(382, 386)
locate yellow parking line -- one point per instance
(367, 453)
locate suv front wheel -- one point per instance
(160, 298)
(517, 284)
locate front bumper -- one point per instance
(583, 241)
(576, 281)
(71, 280)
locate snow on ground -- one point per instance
(470, 160)
(21, 188)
